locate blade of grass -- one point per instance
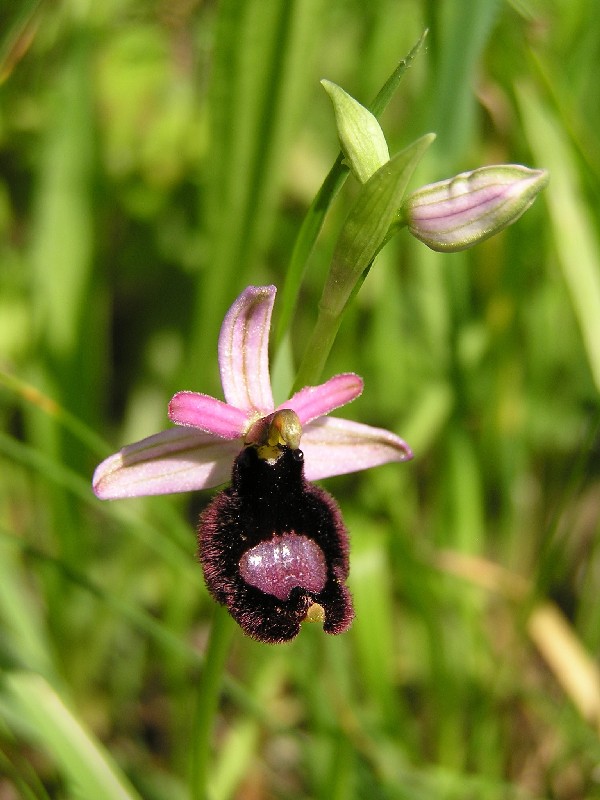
(139, 619)
(463, 28)
(573, 229)
(209, 693)
(240, 751)
(20, 774)
(373, 630)
(23, 624)
(43, 713)
(17, 35)
(30, 394)
(59, 475)
(62, 235)
(259, 80)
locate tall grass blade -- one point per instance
(43, 713)
(573, 230)
(257, 91)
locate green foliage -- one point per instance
(157, 158)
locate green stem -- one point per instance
(328, 325)
(319, 347)
(305, 242)
(208, 701)
(315, 216)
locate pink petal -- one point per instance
(315, 401)
(244, 350)
(334, 446)
(177, 460)
(208, 414)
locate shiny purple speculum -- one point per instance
(273, 546)
(283, 563)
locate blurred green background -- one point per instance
(156, 158)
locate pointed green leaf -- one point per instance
(89, 768)
(368, 222)
(361, 137)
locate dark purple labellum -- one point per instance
(279, 565)
(272, 546)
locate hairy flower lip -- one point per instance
(272, 545)
(199, 452)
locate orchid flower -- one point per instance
(273, 546)
(199, 453)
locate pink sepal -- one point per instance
(334, 446)
(208, 414)
(244, 350)
(315, 401)
(176, 460)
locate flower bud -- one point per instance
(359, 132)
(457, 213)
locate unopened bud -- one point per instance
(359, 133)
(459, 212)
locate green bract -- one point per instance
(360, 134)
(366, 227)
(365, 231)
